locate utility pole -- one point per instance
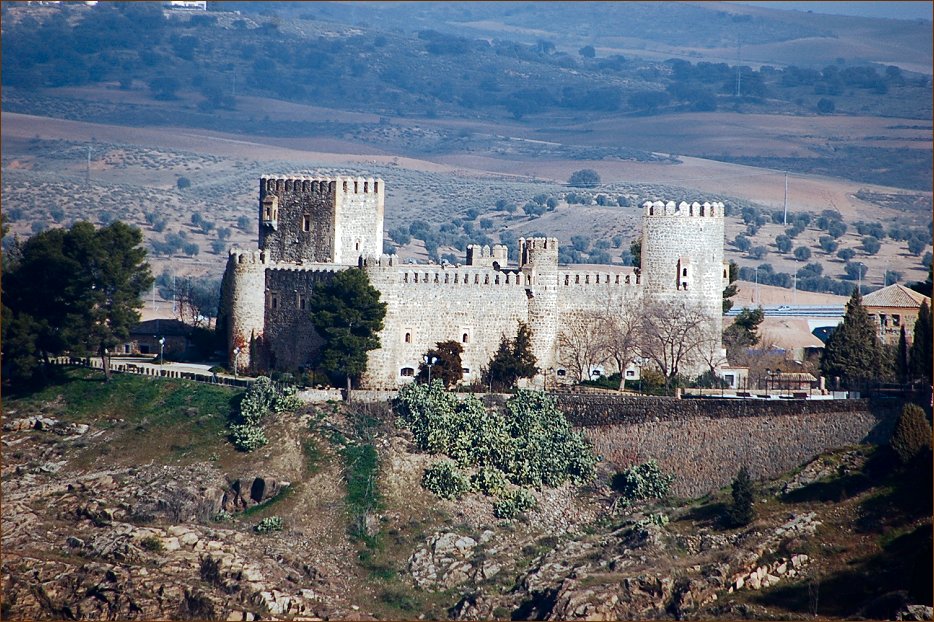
(87, 171)
(785, 203)
(739, 78)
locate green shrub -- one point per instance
(152, 544)
(912, 433)
(443, 479)
(489, 481)
(513, 503)
(659, 520)
(531, 443)
(247, 437)
(269, 524)
(642, 481)
(261, 398)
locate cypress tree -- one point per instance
(919, 361)
(901, 357)
(853, 351)
(741, 511)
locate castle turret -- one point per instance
(538, 264)
(321, 219)
(244, 296)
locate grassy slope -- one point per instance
(875, 537)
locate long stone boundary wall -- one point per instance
(705, 442)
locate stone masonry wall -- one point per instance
(705, 442)
(289, 334)
(242, 295)
(358, 219)
(302, 204)
(428, 304)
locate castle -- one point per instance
(312, 227)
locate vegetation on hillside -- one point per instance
(529, 444)
(75, 290)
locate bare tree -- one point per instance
(582, 343)
(672, 336)
(622, 333)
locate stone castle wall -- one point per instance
(705, 442)
(243, 304)
(473, 306)
(288, 332)
(311, 227)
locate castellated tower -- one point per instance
(682, 258)
(244, 306)
(321, 219)
(538, 265)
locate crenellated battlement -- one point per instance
(463, 276)
(485, 256)
(321, 185)
(306, 269)
(383, 261)
(240, 257)
(538, 253)
(603, 279)
(683, 209)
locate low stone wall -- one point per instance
(705, 442)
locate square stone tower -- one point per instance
(321, 219)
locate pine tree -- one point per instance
(76, 290)
(741, 512)
(919, 361)
(853, 351)
(513, 360)
(347, 312)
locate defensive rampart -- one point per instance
(705, 442)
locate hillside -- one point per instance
(125, 500)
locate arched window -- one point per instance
(408, 337)
(465, 338)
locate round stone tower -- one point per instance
(538, 263)
(245, 300)
(682, 259)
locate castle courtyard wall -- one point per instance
(474, 306)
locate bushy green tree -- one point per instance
(513, 360)
(77, 290)
(730, 290)
(584, 178)
(743, 332)
(853, 351)
(448, 367)
(919, 359)
(347, 312)
(741, 512)
(912, 433)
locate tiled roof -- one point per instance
(895, 296)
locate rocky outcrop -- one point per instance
(448, 560)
